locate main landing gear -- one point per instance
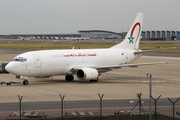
(25, 82)
(94, 80)
(69, 77)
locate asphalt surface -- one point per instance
(80, 104)
(119, 87)
(10, 51)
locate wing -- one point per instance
(130, 65)
(112, 67)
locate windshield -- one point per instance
(21, 59)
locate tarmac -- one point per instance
(123, 83)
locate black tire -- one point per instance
(94, 80)
(69, 77)
(25, 82)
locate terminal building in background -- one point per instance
(100, 34)
(145, 35)
(160, 35)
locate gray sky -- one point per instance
(68, 16)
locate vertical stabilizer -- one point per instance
(133, 36)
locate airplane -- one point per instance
(45, 37)
(56, 38)
(25, 38)
(86, 64)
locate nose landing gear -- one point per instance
(25, 82)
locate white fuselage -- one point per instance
(47, 63)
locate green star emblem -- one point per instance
(130, 39)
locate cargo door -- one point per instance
(37, 60)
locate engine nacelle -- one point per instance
(87, 74)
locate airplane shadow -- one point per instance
(119, 80)
(103, 80)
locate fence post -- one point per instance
(100, 105)
(173, 105)
(20, 98)
(155, 105)
(139, 96)
(62, 98)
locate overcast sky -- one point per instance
(69, 16)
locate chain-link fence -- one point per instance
(125, 107)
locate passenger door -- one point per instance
(37, 60)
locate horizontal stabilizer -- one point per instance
(138, 52)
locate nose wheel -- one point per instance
(25, 82)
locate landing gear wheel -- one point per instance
(69, 77)
(25, 82)
(94, 80)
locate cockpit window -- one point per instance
(21, 59)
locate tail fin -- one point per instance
(133, 36)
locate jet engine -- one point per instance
(87, 74)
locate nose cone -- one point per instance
(10, 67)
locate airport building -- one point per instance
(40, 36)
(146, 35)
(101, 34)
(160, 34)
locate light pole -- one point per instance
(122, 34)
(150, 92)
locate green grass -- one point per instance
(88, 44)
(45, 46)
